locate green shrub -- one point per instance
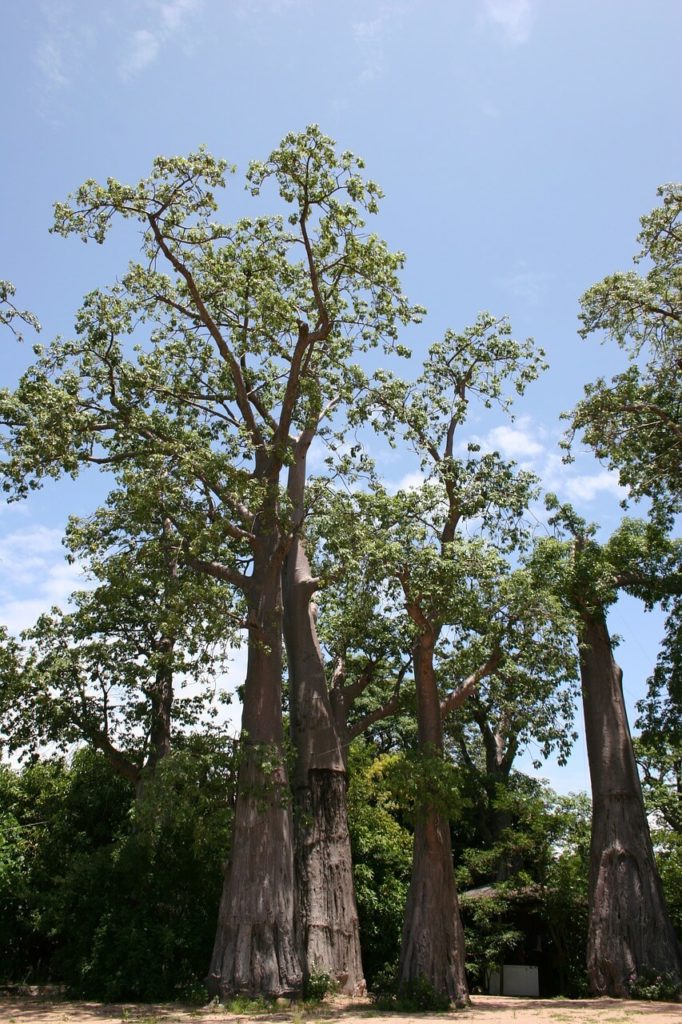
(382, 860)
(417, 996)
(656, 985)
(317, 985)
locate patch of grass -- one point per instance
(249, 1004)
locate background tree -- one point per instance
(630, 931)
(136, 661)
(634, 421)
(658, 750)
(109, 896)
(525, 703)
(539, 912)
(659, 745)
(249, 325)
(382, 854)
(425, 558)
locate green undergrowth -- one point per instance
(656, 986)
(416, 997)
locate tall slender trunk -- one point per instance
(161, 701)
(162, 704)
(629, 927)
(161, 709)
(499, 758)
(330, 936)
(256, 945)
(433, 938)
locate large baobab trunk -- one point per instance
(328, 914)
(256, 945)
(629, 926)
(433, 938)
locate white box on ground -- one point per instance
(516, 981)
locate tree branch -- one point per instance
(458, 696)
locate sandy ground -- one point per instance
(484, 1010)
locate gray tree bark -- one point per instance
(330, 936)
(256, 947)
(629, 926)
(433, 938)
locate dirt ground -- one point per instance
(32, 1009)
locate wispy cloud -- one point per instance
(526, 284)
(70, 44)
(370, 35)
(512, 18)
(50, 60)
(246, 8)
(59, 44)
(144, 49)
(490, 110)
(173, 13)
(145, 44)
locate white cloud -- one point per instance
(35, 575)
(518, 440)
(580, 487)
(145, 44)
(410, 482)
(513, 18)
(173, 12)
(144, 49)
(513, 442)
(586, 487)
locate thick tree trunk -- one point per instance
(329, 924)
(326, 892)
(256, 945)
(433, 938)
(629, 926)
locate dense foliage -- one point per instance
(113, 898)
(444, 637)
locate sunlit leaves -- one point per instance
(634, 421)
(10, 314)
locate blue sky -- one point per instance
(517, 141)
